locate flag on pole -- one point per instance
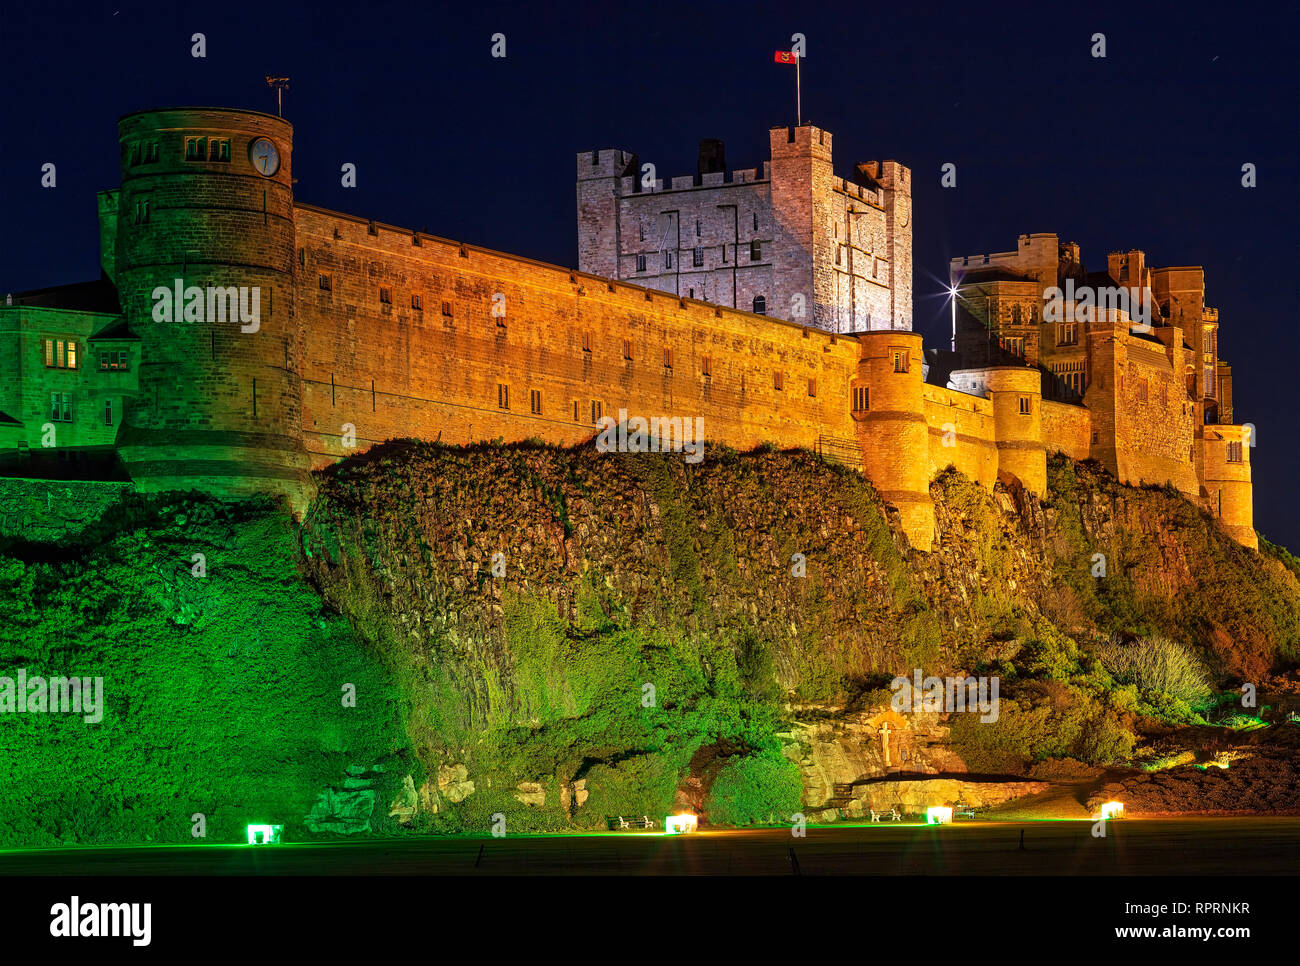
(785, 57)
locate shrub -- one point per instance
(755, 789)
(1157, 664)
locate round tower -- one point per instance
(1017, 396)
(205, 245)
(891, 427)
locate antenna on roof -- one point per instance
(281, 84)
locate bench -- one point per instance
(618, 822)
(893, 814)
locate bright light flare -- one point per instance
(1112, 810)
(264, 834)
(680, 824)
(938, 815)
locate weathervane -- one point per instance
(280, 84)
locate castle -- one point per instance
(774, 306)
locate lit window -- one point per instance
(900, 360)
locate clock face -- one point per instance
(265, 156)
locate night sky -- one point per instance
(1140, 150)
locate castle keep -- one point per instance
(774, 305)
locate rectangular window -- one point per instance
(1234, 452)
(586, 342)
(503, 396)
(535, 401)
(900, 360)
(385, 295)
(196, 149)
(861, 399)
(1067, 333)
(627, 349)
(706, 367)
(668, 357)
(61, 407)
(326, 284)
(1025, 406)
(1209, 381)
(60, 354)
(576, 417)
(778, 380)
(668, 259)
(755, 251)
(640, 263)
(220, 150)
(596, 409)
(698, 260)
(417, 303)
(108, 412)
(812, 388)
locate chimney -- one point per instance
(713, 158)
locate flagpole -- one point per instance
(798, 94)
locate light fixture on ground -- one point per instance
(680, 824)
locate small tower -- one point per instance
(207, 203)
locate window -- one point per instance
(446, 309)
(778, 380)
(220, 150)
(755, 251)
(1067, 333)
(756, 221)
(326, 284)
(112, 359)
(861, 399)
(596, 409)
(108, 412)
(1025, 406)
(417, 303)
(1015, 344)
(196, 149)
(385, 295)
(535, 401)
(900, 360)
(697, 228)
(151, 152)
(760, 305)
(586, 342)
(576, 417)
(642, 228)
(61, 407)
(1209, 381)
(141, 212)
(627, 349)
(668, 357)
(668, 259)
(698, 260)
(812, 388)
(503, 396)
(640, 263)
(60, 354)
(706, 367)
(1234, 452)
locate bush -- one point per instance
(1157, 664)
(755, 789)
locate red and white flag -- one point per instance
(785, 57)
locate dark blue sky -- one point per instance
(1140, 150)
